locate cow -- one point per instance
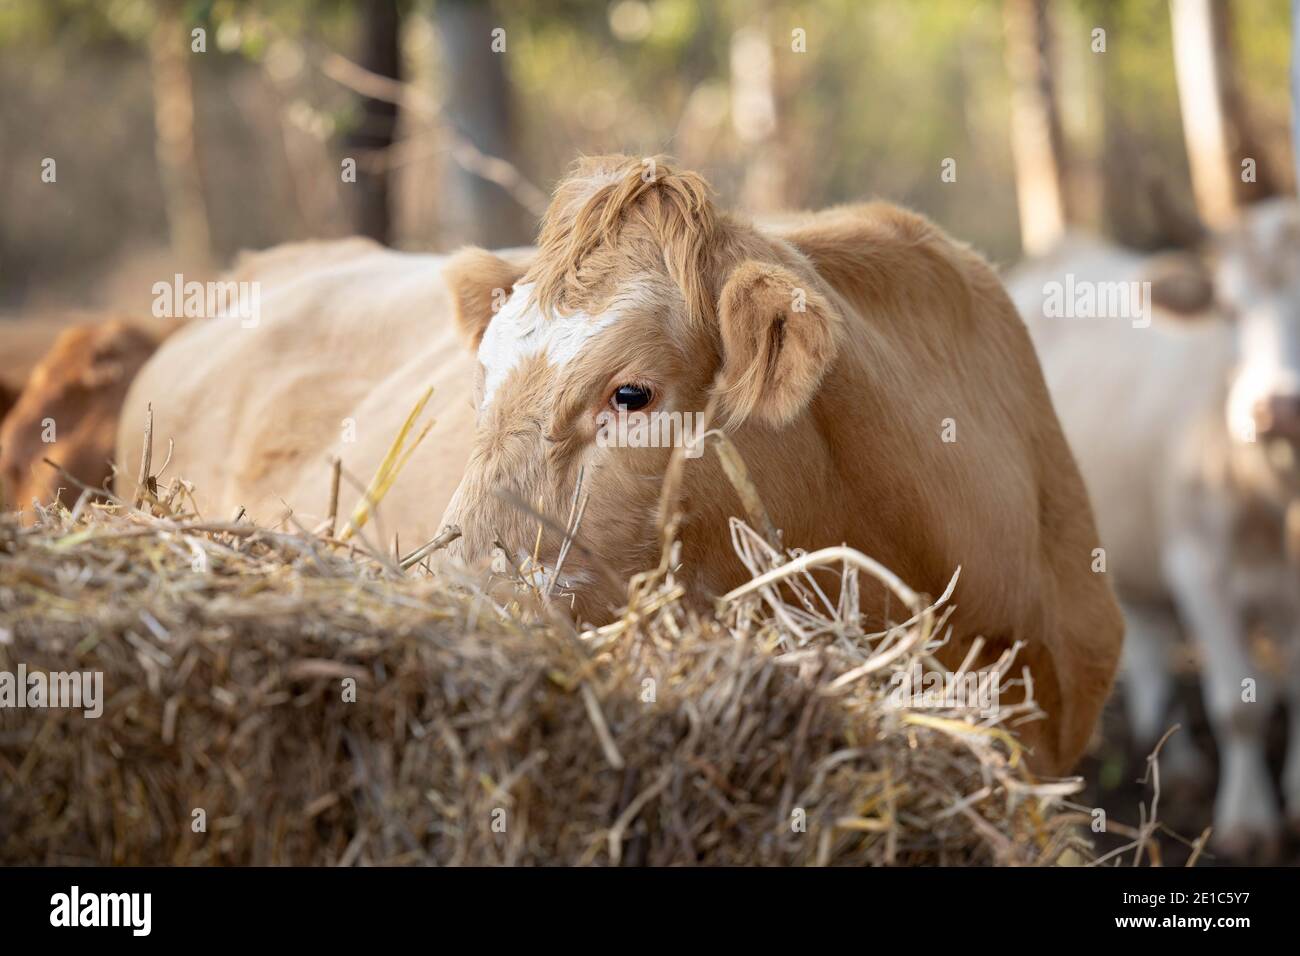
(873, 372)
(1185, 417)
(8, 396)
(67, 410)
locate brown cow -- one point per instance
(7, 398)
(68, 409)
(873, 372)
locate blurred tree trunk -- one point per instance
(1243, 135)
(754, 118)
(1140, 209)
(175, 144)
(1125, 207)
(380, 53)
(1078, 87)
(1037, 145)
(1200, 63)
(478, 107)
(1295, 89)
(1123, 195)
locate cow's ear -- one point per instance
(479, 282)
(779, 336)
(1181, 284)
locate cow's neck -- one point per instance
(844, 459)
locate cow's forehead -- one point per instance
(520, 330)
(1274, 227)
(1261, 258)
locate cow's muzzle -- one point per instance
(1278, 416)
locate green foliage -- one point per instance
(879, 96)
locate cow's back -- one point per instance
(348, 337)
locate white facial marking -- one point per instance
(1257, 276)
(1258, 279)
(520, 330)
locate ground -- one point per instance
(1114, 774)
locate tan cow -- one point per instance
(1185, 417)
(67, 411)
(8, 396)
(873, 372)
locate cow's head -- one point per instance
(641, 301)
(1258, 282)
(1251, 277)
(68, 410)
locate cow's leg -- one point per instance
(1150, 641)
(1148, 683)
(1238, 698)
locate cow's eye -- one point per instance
(631, 397)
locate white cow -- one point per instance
(1182, 404)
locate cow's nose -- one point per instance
(1278, 416)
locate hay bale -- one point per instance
(478, 734)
